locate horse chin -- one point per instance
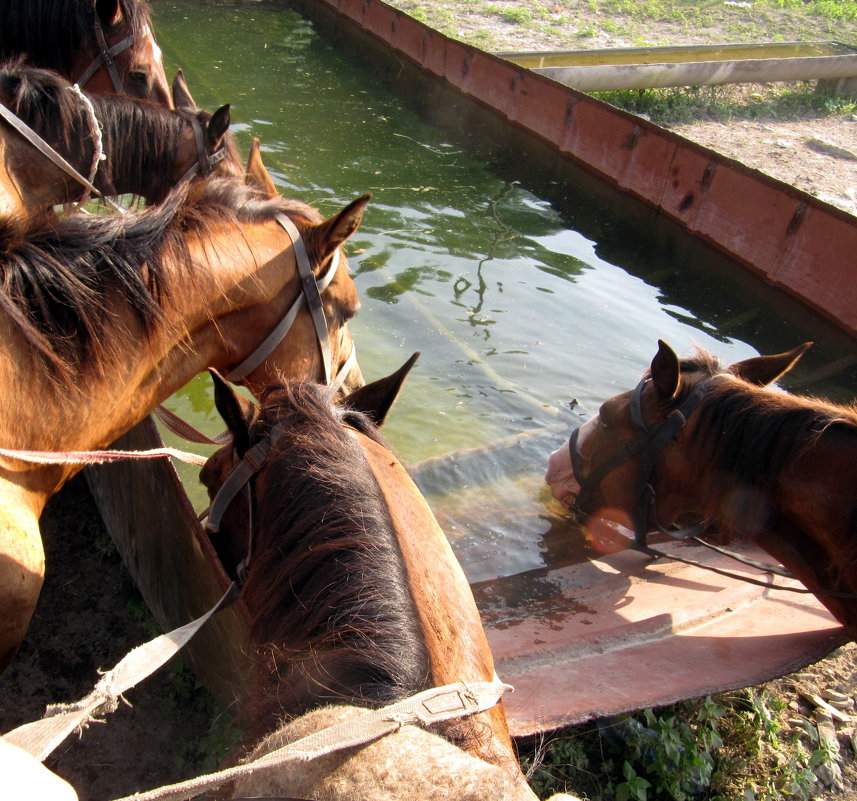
(609, 531)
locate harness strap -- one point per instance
(105, 57)
(205, 162)
(425, 709)
(276, 336)
(55, 158)
(41, 737)
(239, 477)
(311, 292)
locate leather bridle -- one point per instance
(310, 296)
(649, 443)
(242, 473)
(105, 58)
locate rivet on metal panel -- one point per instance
(796, 220)
(708, 175)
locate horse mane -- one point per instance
(44, 101)
(750, 434)
(55, 275)
(50, 32)
(327, 585)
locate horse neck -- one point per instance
(145, 164)
(455, 639)
(223, 289)
(786, 480)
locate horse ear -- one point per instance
(762, 370)
(257, 174)
(334, 231)
(181, 94)
(375, 399)
(217, 127)
(665, 371)
(237, 412)
(109, 12)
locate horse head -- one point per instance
(631, 465)
(122, 55)
(698, 443)
(339, 547)
(91, 133)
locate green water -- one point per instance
(515, 312)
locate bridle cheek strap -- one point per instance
(311, 289)
(650, 442)
(105, 58)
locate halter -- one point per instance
(649, 443)
(311, 289)
(205, 162)
(105, 58)
(254, 459)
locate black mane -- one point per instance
(327, 586)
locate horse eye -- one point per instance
(139, 76)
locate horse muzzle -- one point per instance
(560, 477)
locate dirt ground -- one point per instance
(817, 154)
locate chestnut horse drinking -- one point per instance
(352, 592)
(104, 46)
(147, 148)
(103, 318)
(698, 441)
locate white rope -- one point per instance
(95, 128)
(100, 457)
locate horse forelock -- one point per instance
(327, 587)
(50, 32)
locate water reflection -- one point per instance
(516, 303)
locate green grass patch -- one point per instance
(683, 105)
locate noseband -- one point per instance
(105, 58)
(648, 444)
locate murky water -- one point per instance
(515, 312)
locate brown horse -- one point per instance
(353, 594)
(697, 441)
(147, 148)
(104, 46)
(103, 318)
